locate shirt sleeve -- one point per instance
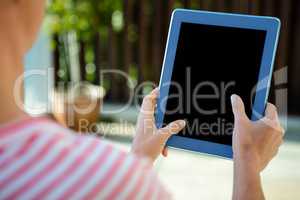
(62, 166)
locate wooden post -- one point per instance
(157, 39)
(206, 4)
(240, 6)
(294, 67)
(112, 58)
(186, 3)
(127, 46)
(127, 49)
(142, 43)
(168, 7)
(253, 7)
(283, 47)
(97, 58)
(220, 6)
(268, 7)
(82, 60)
(56, 60)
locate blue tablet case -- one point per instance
(269, 24)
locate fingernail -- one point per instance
(182, 123)
(233, 99)
(155, 90)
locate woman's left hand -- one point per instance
(149, 141)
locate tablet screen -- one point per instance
(211, 64)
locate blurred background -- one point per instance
(81, 39)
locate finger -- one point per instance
(271, 112)
(283, 131)
(173, 128)
(165, 152)
(238, 108)
(149, 102)
(275, 125)
(276, 145)
(155, 92)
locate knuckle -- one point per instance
(275, 153)
(279, 130)
(174, 126)
(164, 131)
(276, 132)
(147, 98)
(280, 141)
(272, 107)
(148, 101)
(272, 127)
(241, 120)
(282, 130)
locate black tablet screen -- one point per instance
(212, 63)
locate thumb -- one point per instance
(238, 108)
(169, 130)
(271, 112)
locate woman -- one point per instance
(40, 159)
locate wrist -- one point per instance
(247, 180)
(248, 160)
(142, 155)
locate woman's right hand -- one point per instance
(255, 142)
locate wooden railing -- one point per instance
(139, 48)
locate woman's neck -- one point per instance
(11, 61)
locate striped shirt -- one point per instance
(42, 160)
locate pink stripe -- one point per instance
(23, 149)
(42, 174)
(68, 172)
(40, 155)
(165, 194)
(107, 178)
(88, 174)
(5, 130)
(138, 185)
(158, 187)
(162, 193)
(128, 176)
(149, 193)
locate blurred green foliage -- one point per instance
(83, 16)
(86, 18)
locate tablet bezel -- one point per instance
(269, 24)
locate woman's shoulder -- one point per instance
(65, 164)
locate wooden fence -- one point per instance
(139, 48)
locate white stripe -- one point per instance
(35, 149)
(117, 178)
(147, 184)
(37, 168)
(11, 149)
(99, 175)
(132, 182)
(38, 128)
(71, 180)
(15, 141)
(156, 192)
(59, 170)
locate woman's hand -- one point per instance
(257, 142)
(254, 145)
(149, 141)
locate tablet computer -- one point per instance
(210, 56)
